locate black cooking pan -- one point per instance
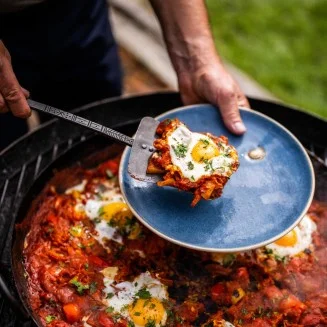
(82, 155)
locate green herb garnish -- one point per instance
(93, 287)
(110, 310)
(50, 318)
(80, 287)
(228, 259)
(76, 231)
(205, 142)
(97, 220)
(180, 150)
(190, 165)
(150, 323)
(101, 211)
(143, 293)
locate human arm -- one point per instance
(200, 71)
(12, 95)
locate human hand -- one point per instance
(212, 83)
(12, 95)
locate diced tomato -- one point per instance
(109, 165)
(258, 322)
(72, 312)
(218, 291)
(242, 276)
(313, 318)
(97, 261)
(291, 301)
(273, 293)
(189, 311)
(105, 321)
(52, 219)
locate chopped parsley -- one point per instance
(190, 165)
(228, 259)
(205, 142)
(50, 318)
(180, 150)
(110, 310)
(208, 165)
(280, 258)
(80, 287)
(110, 295)
(130, 324)
(150, 323)
(124, 307)
(76, 231)
(268, 251)
(143, 293)
(244, 311)
(137, 314)
(97, 220)
(86, 266)
(93, 287)
(101, 211)
(192, 178)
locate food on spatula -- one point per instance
(193, 162)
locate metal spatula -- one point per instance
(142, 143)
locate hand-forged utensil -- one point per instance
(142, 143)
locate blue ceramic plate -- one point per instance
(261, 202)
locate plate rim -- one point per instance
(224, 250)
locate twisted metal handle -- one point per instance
(106, 131)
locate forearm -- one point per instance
(187, 33)
(200, 72)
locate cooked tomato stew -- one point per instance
(89, 262)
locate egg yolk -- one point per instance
(290, 239)
(204, 150)
(145, 311)
(117, 210)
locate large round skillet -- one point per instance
(87, 155)
(80, 155)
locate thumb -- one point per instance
(228, 104)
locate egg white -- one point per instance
(125, 293)
(182, 135)
(79, 187)
(92, 210)
(303, 232)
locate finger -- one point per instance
(25, 92)
(12, 92)
(229, 108)
(243, 102)
(3, 106)
(241, 99)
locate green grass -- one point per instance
(280, 43)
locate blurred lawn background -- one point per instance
(280, 43)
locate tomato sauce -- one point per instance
(64, 262)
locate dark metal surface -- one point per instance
(21, 163)
(74, 119)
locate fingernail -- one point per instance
(239, 127)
